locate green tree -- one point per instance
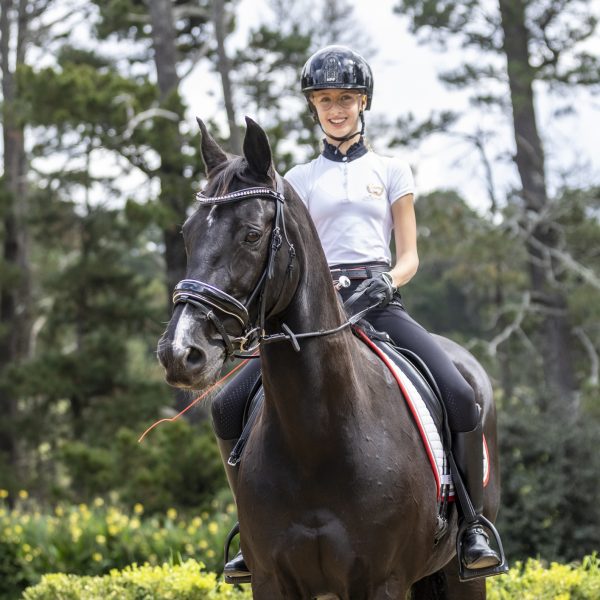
(519, 42)
(15, 311)
(549, 465)
(268, 69)
(98, 276)
(166, 36)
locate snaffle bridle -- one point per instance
(211, 300)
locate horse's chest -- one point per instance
(331, 517)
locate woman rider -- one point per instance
(356, 199)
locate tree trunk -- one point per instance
(171, 172)
(556, 350)
(15, 310)
(175, 193)
(224, 68)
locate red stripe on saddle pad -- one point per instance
(413, 410)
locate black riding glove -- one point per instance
(378, 290)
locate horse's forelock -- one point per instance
(231, 176)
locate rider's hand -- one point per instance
(378, 290)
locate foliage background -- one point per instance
(100, 164)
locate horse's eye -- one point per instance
(252, 237)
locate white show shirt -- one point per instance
(350, 203)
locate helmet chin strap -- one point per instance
(341, 140)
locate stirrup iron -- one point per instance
(466, 574)
(228, 578)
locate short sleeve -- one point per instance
(297, 177)
(401, 181)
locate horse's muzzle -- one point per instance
(184, 365)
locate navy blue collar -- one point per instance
(355, 151)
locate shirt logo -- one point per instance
(375, 190)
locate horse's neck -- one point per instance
(308, 390)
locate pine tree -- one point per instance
(518, 43)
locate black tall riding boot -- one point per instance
(467, 448)
(235, 570)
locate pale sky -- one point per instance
(405, 75)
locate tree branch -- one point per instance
(511, 328)
(593, 379)
(135, 120)
(563, 257)
(195, 58)
(151, 113)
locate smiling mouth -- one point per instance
(337, 121)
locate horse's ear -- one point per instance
(212, 153)
(256, 149)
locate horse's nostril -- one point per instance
(195, 357)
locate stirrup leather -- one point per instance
(230, 578)
(466, 574)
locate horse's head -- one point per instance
(239, 263)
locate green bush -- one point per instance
(529, 581)
(177, 465)
(549, 474)
(92, 540)
(166, 582)
(534, 581)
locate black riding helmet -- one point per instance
(337, 67)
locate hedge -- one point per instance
(92, 540)
(535, 581)
(530, 581)
(167, 582)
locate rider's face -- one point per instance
(338, 110)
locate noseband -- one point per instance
(216, 304)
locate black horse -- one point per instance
(335, 495)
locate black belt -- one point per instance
(358, 271)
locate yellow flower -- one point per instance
(59, 511)
(138, 509)
(196, 521)
(28, 557)
(172, 514)
(23, 494)
(18, 529)
(189, 549)
(97, 556)
(213, 528)
(203, 545)
(3, 493)
(113, 530)
(210, 553)
(76, 533)
(230, 508)
(134, 523)
(100, 539)
(26, 548)
(98, 502)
